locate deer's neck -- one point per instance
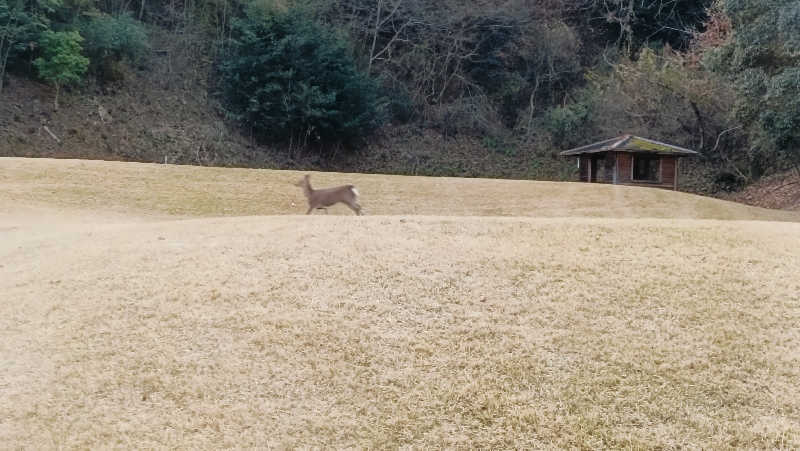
(308, 190)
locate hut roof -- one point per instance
(630, 143)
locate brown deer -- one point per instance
(324, 198)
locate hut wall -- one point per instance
(617, 167)
(668, 170)
(624, 169)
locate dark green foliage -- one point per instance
(21, 24)
(291, 79)
(61, 61)
(108, 40)
(564, 123)
(762, 59)
(400, 107)
(113, 37)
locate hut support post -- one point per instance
(675, 181)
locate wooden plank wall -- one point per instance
(668, 170)
(624, 169)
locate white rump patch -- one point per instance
(355, 191)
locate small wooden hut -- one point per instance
(630, 160)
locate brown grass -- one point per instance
(123, 327)
(147, 189)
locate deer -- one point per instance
(324, 198)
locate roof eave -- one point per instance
(676, 152)
(618, 145)
(649, 152)
(605, 145)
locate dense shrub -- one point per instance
(289, 78)
(564, 123)
(109, 39)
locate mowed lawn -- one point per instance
(151, 306)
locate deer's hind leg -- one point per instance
(354, 206)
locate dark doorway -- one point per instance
(646, 168)
(598, 169)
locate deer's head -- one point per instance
(303, 181)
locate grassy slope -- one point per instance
(200, 191)
(120, 325)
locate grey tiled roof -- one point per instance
(630, 143)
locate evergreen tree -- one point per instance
(291, 79)
(61, 62)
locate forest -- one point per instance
(467, 88)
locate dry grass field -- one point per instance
(150, 306)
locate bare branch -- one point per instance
(722, 133)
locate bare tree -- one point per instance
(395, 30)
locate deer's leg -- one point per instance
(355, 207)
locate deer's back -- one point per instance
(329, 196)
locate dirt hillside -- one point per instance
(781, 191)
(166, 114)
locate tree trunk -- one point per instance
(4, 58)
(700, 125)
(375, 36)
(55, 102)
